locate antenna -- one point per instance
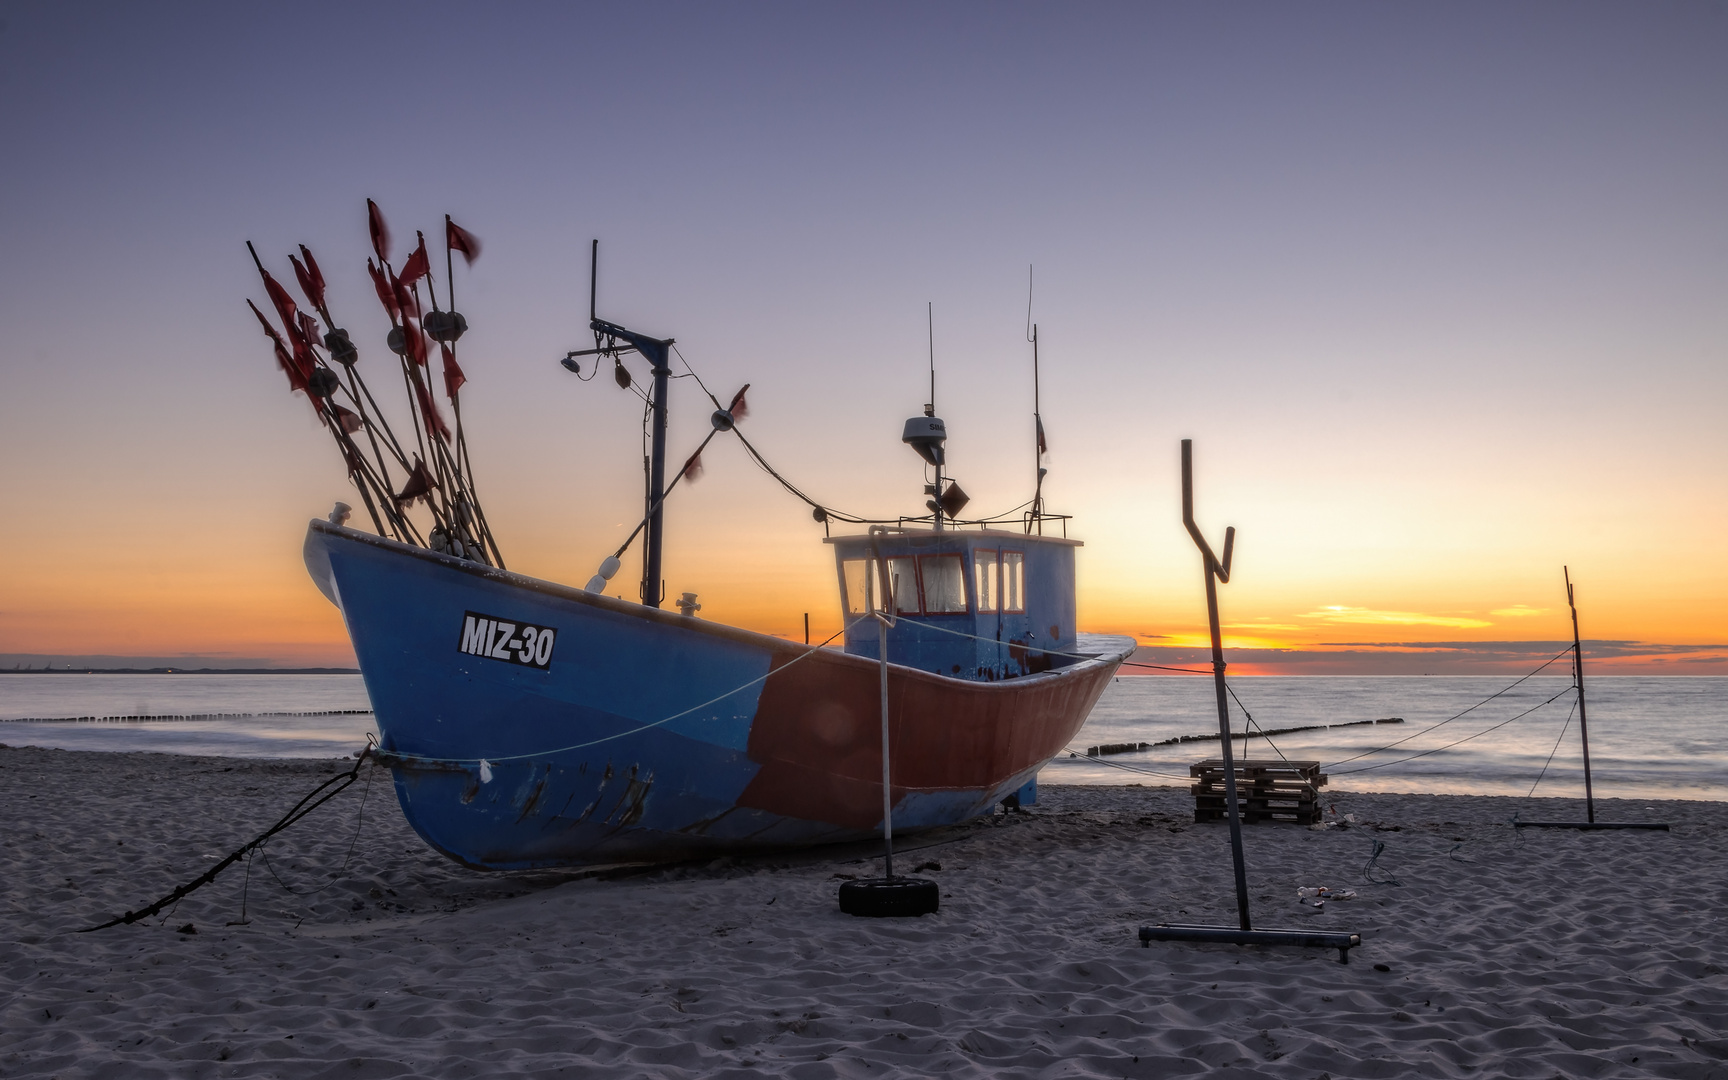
(930, 324)
(593, 276)
(1029, 336)
(1038, 470)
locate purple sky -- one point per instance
(1438, 289)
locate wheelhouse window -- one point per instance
(903, 572)
(1013, 581)
(986, 580)
(858, 587)
(944, 584)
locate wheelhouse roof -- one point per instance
(931, 534)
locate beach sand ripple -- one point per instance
(1499, 953)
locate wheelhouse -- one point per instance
(976, 604)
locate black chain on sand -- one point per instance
(313, 799)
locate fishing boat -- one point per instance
(531, 724)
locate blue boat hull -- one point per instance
(530, 725)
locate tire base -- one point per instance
(899, 897)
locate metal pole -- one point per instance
(1215, 572)
(651, 586)
(658, 353)
(1229, 761)
(1037, 437)
(1578, 681)
(877, 567)
(887, 792)
(930, 324)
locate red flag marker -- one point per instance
(419, 485)
(406, 301)
(456, 238)
(386, 295)
(286, 309)
(289, 363)
(417, 265)
(380, 231)
(453, 377)
(310, 287)
(693, 467)
(348, 418)
(313, 283)
(415, 339)
(265, 323)
(434, 421)
(739, 407)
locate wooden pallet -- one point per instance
(1265, 790)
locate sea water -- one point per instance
(272, 716)
(1650, 737)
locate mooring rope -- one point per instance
(313, 799)
(335, 876)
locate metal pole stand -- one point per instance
(1589, 822)
(889, 895)
(1217, 570)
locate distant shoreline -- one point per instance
(184, 671)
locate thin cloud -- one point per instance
(1450, 657)
(1517, 611)
(1371, 617)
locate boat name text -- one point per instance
(501, 639)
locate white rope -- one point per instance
(678, 715)
(994, 641)
(621, 734)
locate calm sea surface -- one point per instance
(1656, 737)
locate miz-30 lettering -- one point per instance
(501, 640)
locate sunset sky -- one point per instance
(1440, 292)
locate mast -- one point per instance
(1037, 443)
(1578, 681)
(930, 409)
(1037, 513)
(658, 353)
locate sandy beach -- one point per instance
(1498, 953)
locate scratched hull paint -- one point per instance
(653, 736)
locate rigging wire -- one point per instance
(1161, 667)
(1563, 729)
(796, 492)
(1455, 716)
(1125, 767)
(1455, 742)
